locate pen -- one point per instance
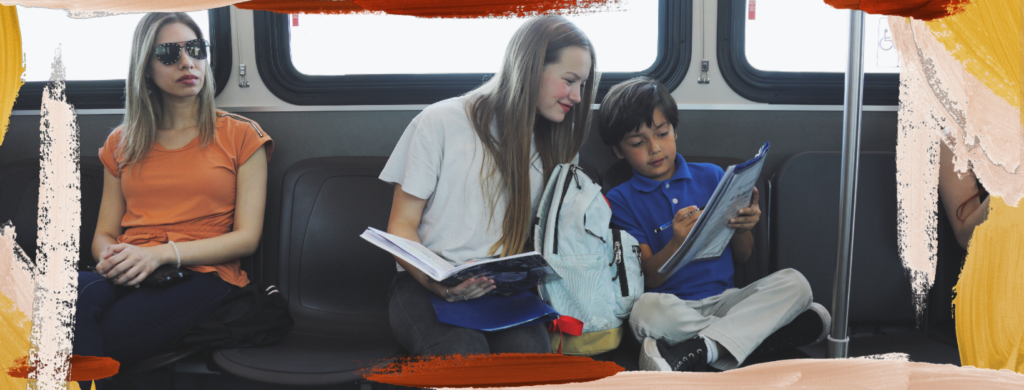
(669, 223)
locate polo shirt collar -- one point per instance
(644, 184)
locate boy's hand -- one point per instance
(747, 217)
(683, 222)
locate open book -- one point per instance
(711, 233)
(511, 274)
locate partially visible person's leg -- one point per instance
(748, 315)
(523, 339)
(95, 295)
(417, 329)
(666, 317)
(145, 321)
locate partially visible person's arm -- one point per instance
(682, 224)
(955, 191)
(742, 240)
(108, 224)
(406, 211)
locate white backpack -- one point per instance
(599, 266)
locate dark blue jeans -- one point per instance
(129, 324)
(415, 326)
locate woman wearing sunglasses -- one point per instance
(184, 187)
(468, 174)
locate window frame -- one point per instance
(773, 87)
(273, 60)
(99, 94)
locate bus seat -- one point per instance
(19, 203)
(336, 284)
(756, 266)
(805, 228)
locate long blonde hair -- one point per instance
(510, 97)
(143, 106)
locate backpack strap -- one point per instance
(618, 259)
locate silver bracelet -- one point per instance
(176, 252)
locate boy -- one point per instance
(695, 317)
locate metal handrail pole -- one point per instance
(838, 340)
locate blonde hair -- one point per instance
(510, 97)
(143, 106)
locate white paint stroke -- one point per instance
(59, 220)
(99, 8)
(16, 278)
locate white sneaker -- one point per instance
(650, 358)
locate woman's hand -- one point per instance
(129, 265)
(747, 217)
(469, 289)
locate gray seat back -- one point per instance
(805, 228)
(336, 283)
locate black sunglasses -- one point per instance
(170, 53)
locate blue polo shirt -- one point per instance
(641, 205)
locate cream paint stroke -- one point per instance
(940, 101)
(857, 373)
(16, 274)
(94, 8)
(56, 279)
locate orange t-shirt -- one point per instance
(187, 194)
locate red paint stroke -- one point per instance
(509, 369)
(83, 368)
(917, 9)
(432, 8)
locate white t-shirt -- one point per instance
(439, 158)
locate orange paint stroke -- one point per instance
(434, 8)
(83, 368)
(492, 370)
(917, 9)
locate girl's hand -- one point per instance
(129, 265)
(747, 217)
(469, 289)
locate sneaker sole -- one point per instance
(826, 320)
(650, 358)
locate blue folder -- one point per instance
(491, 313)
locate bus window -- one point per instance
(795, 52)
(95, 53)
(811, 36)
(365, 59)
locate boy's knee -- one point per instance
(797, 283)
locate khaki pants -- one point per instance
(737, 319)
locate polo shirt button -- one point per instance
(666, 185)
(675, 201)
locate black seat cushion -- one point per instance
(336, 283)
(308, 359)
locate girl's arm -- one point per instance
(954, 191)
(108, 225)
(129, 264)
(406, 211)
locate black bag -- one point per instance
(250, 317)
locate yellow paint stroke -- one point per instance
(989, 300)
(11, 67)
(14, 333)
(986, 38)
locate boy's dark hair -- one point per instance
(630, 104)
